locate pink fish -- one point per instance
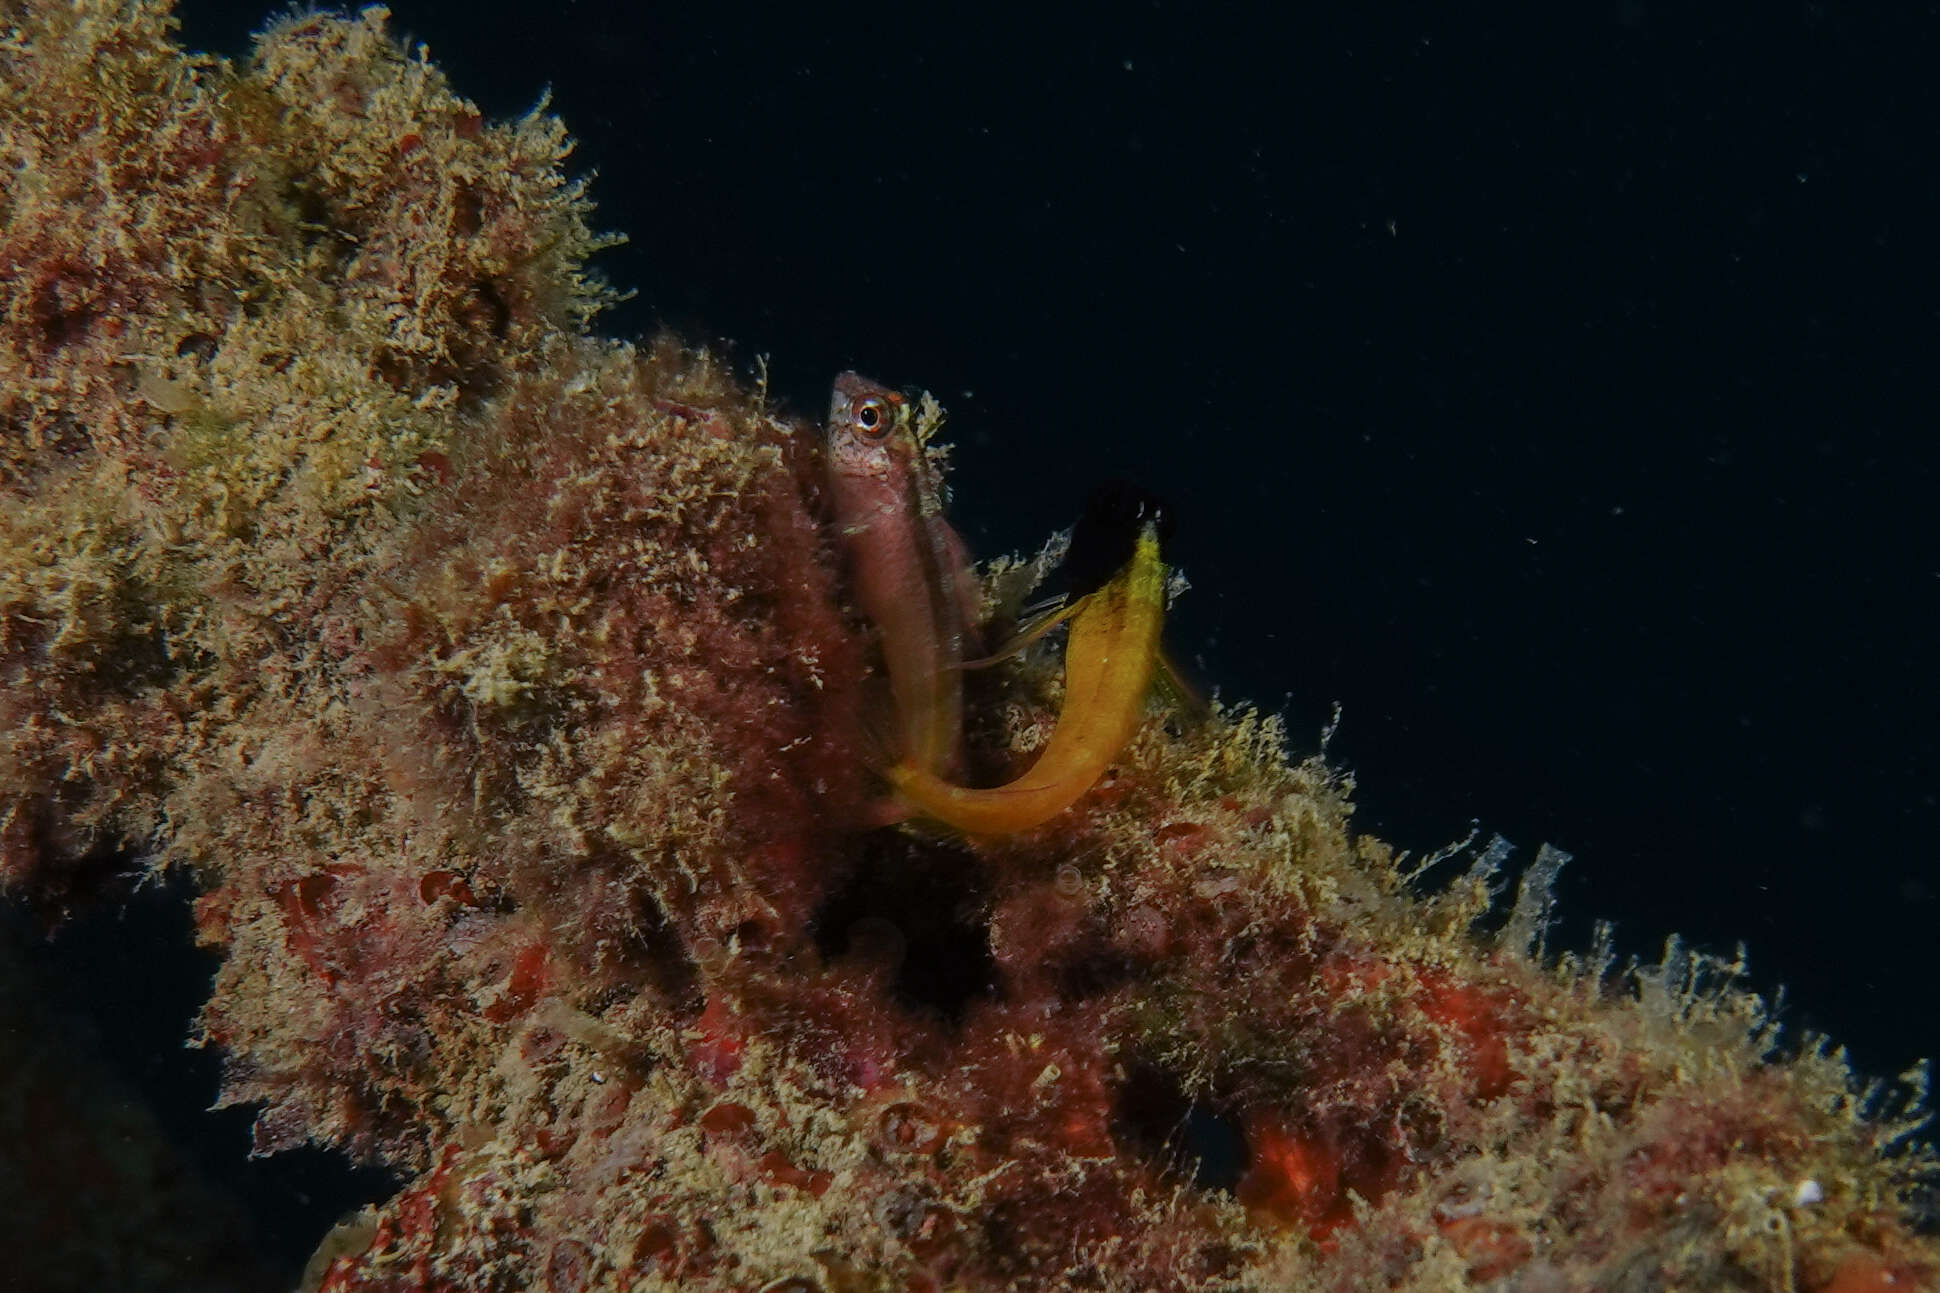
(910, 571)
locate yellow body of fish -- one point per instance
(1108, 667)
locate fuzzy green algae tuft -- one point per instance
(499, 687)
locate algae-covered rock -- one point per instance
(498, 686)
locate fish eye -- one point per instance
(872, 417)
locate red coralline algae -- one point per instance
(499, 686)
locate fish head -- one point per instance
(871, 430)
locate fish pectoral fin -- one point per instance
(1042, 607)
(1178, 691)
(1027, 633)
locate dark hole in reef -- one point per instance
(670, 970)
(70, 886)
(1923, 1207)
(319, 225)
(200, 345)
(117, 990)
(1191, 1138)
(486, 308)
(932, 894)
(1093, 974)
(467, 211)
(140, 658)
(61, 324)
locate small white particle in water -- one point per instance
(1807, 1193)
